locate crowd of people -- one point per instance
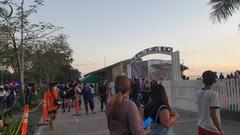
(7, 97)
(135, 102)
(235, 75)
(65, 95)
(126, 117)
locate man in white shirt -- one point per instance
(208, 107)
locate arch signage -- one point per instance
(175, 71)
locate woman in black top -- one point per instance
(159, 110)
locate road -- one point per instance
(96, 124)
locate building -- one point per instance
(151, 70)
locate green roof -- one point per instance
(89, 79)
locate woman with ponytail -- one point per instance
(123, 116)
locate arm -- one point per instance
(214, 111)
(166, 119)
(216, 121)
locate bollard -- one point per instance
(77, 107)
(25, 120)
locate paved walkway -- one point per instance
(95, 124)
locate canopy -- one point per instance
(89, 79)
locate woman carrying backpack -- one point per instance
(160, 112)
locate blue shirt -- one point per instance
(87, 93)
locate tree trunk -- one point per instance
(22, 53)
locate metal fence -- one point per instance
(182, 93)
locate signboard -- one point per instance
(153, 50)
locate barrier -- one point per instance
(182, 93)
(77, 107)
(25, 120)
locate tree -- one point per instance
(223, 9)
(20, 32)
(51, 58)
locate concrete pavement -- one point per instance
(96, 124)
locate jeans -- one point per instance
(103, 102)
(91, 104)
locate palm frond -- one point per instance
(222, 9)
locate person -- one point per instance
(135, 92)
(1, 99)
(221, 76)
(62, 94)
(123, 116)
(103, 95)
(232, 76)
(92, 89)
(52, 106)
(159, 110)
(208, 107)
(236, 75)
(88, 98)
(69, 95)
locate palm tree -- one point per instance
(223, 9)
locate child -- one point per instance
(208, 107)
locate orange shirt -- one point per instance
(50, 100)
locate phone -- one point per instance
(147, 122)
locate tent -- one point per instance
(89, 79)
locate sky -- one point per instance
(115, 30)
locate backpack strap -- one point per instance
(157, 114)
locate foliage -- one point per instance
(223, 9)
(51, 58)
(19, 33)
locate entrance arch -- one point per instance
(133, 70)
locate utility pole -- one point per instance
(105, 61)
(22, 50)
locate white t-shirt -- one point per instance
(5, 93)
(1, 93)
(207, 99)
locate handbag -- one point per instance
(57, 102)
(157, 128)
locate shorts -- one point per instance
(52, 111)
(202, 131)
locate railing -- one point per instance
(182, 93)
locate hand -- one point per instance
(221, 132)
(175, 114)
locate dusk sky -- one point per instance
(118, 29)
